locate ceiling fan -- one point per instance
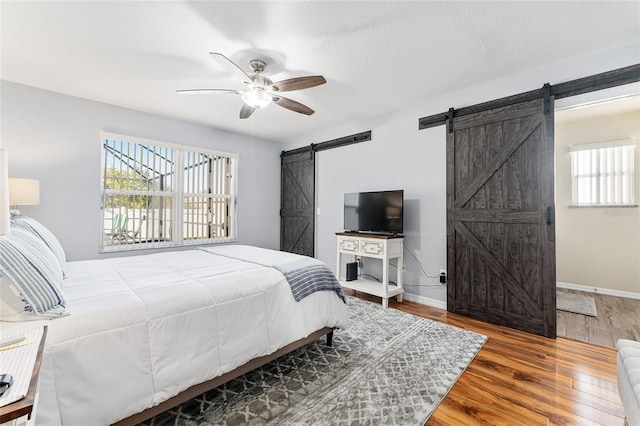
(258, 90)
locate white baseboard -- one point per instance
(425, 300)
(443, 304)
(607, 291)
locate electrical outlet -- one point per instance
(443, 271)
(359, 260)
(443, 276)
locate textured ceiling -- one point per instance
(377, 56)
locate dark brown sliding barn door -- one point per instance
(500, 218)
(297, 203)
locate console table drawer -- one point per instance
(348, 245)
(372, 247)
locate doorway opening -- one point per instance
(597, 247)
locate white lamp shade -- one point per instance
(5, 224)
(24, 192)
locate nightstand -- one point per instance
(22, 412)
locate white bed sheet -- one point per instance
(144, 328)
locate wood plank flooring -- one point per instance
(518, 378)
(618, 318)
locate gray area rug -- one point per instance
(388, 368)
(576, 303)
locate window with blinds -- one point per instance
(602, 174)
(157, 194)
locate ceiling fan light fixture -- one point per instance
(259, 91)
(256, 98)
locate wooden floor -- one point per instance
(618, 318)
(522, 379)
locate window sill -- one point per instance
(165, 245)
(135, 247)
(599, 206)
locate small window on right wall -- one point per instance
(602, 173)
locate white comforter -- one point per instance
(144, 328)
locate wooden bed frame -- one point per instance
(196, 390)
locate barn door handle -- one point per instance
(548, 215)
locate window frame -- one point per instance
(178, 195)
(603, 177)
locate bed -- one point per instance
(141, 333)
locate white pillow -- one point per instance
(12, 306)
(31, 270)
(31, 225)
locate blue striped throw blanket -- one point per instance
(308, 275)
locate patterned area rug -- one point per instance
(388, 368)
(577, 303)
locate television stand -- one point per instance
(376, 246)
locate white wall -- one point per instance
(400, 156)
(55, 138)
(596, 247)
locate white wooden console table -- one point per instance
(383, 247)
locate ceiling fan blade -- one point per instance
(297, 83)
(292, 105)
(231, 67)
(207, 91)
(246, 111)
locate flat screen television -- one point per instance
(374, 212)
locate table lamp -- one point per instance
(23, 192)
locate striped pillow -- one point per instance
(39, 230)
(34, 272)
(12, 306)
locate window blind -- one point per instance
(603, 173)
